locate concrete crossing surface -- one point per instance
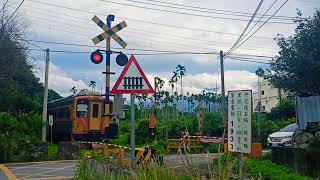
(42, 170)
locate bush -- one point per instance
(18, 134)
(213, 148)
(53, 152)
(284, 110)
(213, 124)
(269, 170)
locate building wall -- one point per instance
(269, 96)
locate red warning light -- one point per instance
(96, 57)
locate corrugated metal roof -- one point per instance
(308, 110)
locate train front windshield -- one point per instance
(82, 108)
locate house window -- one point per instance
(262, 92)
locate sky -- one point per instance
(209, 31)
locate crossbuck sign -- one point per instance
(109, 32)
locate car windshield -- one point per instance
(289, 128)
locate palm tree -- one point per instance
(73, 90)
(93, 85)
(171, 84)
(160, 83)
(181, 70)
(175, 79)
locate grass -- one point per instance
(53, 153)
(83, 173)
(269, 170)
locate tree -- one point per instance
(20, 89)
(284, 110)
(93, 85)
(73, 90)
(297, 68)
(181, 70)
(171, 84)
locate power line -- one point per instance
(183, 7)
(246, 28)
(154, 34)
(184, 13)
(137, 31)
(249, 60)
(156, 52)
(13, 13)
(261, 25)
(219, 10)
(259, 20)
(4, 5)
(147, 22)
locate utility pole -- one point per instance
(132, 134)
(223, 96)
(45, 98)
(259, 104)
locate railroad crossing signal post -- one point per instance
(132, 80)
(132, 133)
(107, 35)
(110, 18)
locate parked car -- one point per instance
(283, 137)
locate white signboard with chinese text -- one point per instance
(239, 121)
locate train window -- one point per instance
(82, 108)
(95, 110)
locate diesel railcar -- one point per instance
(80, 117)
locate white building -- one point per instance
(270, 96)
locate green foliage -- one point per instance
(53, 152)
(284, 110)
(142, 132)
(268, 170)
(154, 172)
(17, 132)
(122, 140)
(297, 68)
(212, 148)
(213, 124)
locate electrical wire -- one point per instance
(219, 10)
(138, 31)
(135, 37)
(201, 9)
(4, 5)
(246, 28)
(147, 22)
(184, 13)
(13, 13)
(259, 20)
(261, 26)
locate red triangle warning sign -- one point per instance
(132, 80)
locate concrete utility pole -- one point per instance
(223, 96)
(132, 133)
(45, 98)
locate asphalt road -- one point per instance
(42, 170)
(66, 169)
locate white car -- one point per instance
(283, 137)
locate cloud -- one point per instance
(195, 83)
(59, 80)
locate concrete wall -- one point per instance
(269, 96)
